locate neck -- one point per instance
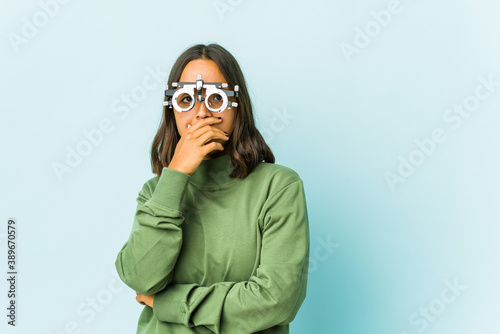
(213, 172)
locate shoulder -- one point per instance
(281, 190)
(276, 176)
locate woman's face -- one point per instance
(209, 73)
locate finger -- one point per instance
(212, 135)
(213, 146)
(204, 122)
(204, 130)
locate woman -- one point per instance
(220, 239)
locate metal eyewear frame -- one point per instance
(216, 97)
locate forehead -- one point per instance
(207, 68)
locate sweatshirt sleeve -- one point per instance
(271, 297)
(146, 261)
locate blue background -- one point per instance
(342, 91)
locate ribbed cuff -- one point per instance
(170, 305)
(170, 188)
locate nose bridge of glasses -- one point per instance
(200, 105)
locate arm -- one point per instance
(146, 261)
(271, 297)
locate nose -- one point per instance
(200, 110)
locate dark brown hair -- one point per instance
(247, 147)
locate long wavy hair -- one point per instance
(247, 147)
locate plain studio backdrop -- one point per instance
(387, 109)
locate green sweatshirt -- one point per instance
(222, 255)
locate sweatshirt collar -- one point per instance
(214, 172)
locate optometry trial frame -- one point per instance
(216, 97)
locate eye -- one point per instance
(217, 97)
(186, 99)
